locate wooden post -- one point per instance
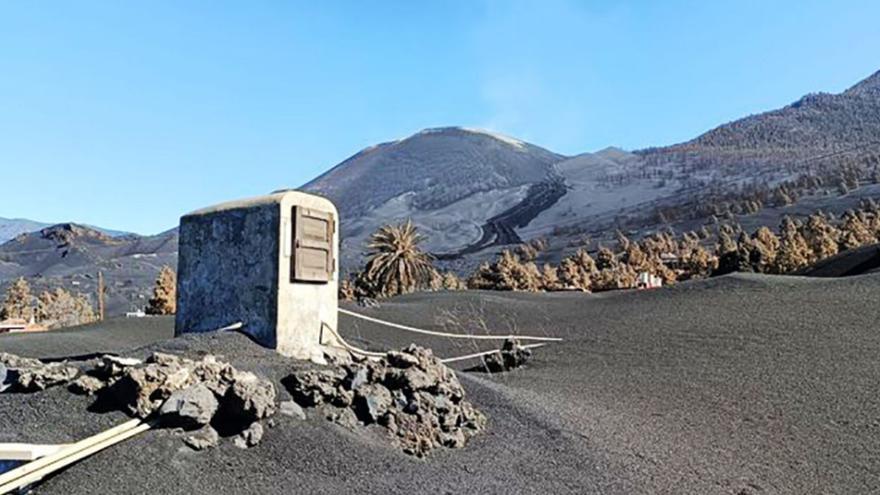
(101, 290)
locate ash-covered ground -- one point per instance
(741, 384)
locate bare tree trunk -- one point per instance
(100, 296)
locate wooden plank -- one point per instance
(36, 470)
(27, 451)
(312, 245)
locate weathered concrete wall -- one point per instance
(235, 265)
(228, 271)
(304, 307)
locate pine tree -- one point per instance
(853, 232)
(765, 246)
(17, 302)
(59, 308)
(605, 259)
(549, 278)
(821, 237)
(506, 273)
(736, 257)
(794, 253)
(698, 262)
(164, 300)
(576, 271)
(346, 290)
(451, 281)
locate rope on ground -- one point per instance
(372, 354)
(351, 348)
(446, 334)
(484, 353)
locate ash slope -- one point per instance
(448, 180)
(454, 182)
(436, 167)
(736, 384)
(70, 256)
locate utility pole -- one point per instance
(101, 295)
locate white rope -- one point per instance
(351, 348)
(372, 354)
(446, 334)
(484, 353)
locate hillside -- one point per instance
(472, 192)
(822, 151)
(70, 255)
(449, 180)
(12, 227)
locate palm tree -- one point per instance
(395, 263)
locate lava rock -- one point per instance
(372, 402)
(86, 385)
(4, 372)
(249, 399)
(112, 367)
(192, 394)
(206, 438)
(249, 437)
(314, 387)
(343, 416)
(512, 355)
(189, 408)
(292, 409)
(32, 375)
(411, 393)
(143, 389)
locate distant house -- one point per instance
(17, 325)
(138, 313)
(648, 281)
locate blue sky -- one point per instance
(128, 114)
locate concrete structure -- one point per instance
(269, 262)
(649, 281)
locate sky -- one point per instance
(127, 115)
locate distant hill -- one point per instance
(435, 168)
(12, 227)
(471, 191)
(820, 145)
(449, 180)
(70, 255)
(815, 125)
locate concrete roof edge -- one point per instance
(276, 197)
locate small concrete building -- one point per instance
(269, 262)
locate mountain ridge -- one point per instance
(12, 227)
(472, 192)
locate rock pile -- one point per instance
(512, 355)
(18, 374)
(415, 397)
(206, 395)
